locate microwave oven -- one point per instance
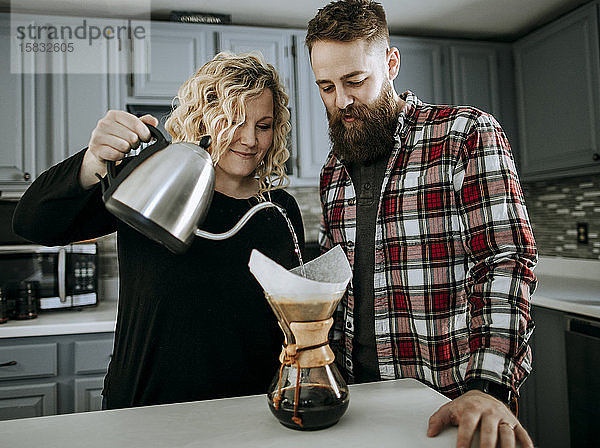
(66, 275)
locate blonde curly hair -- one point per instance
(213, 101)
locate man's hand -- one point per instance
(498, 426)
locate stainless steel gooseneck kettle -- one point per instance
(165, 192)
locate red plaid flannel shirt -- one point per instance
(454, 252)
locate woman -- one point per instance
(192, 326)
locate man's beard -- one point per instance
(371, 135)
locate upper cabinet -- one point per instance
(482, 76)
(458, 72)
(474, 71)
(170, 54)
(558, 88)
(17, 113)
(312, 125)
(422, 68)
(274, 44)
(80, 87)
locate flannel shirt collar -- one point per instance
(408, 115)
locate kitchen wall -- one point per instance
(556, 207)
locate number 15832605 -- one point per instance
(44, 47)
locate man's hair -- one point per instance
(347, 21)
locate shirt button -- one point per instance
(367, 186)
(351, 201)
(350, 244)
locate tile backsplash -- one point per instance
(556, 208)
(310, 207)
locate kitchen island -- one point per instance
(388, 413)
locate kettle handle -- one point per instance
(111, 165)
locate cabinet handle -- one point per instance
(26, 176)
(596, 157)
(9, 363)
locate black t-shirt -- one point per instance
(192, 326)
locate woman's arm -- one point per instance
(57, 210)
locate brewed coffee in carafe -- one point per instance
(307, 392)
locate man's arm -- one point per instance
(499, 240)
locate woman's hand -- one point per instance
(117, 133)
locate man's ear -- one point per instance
(393, 62)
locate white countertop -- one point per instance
(568, 285)
(97, 319)
(388, 413)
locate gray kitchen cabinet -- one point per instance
(312, 126)
(558, 91)
(17, 112)
(46, 375)
(29, 398)
(79, 95)
(274, 44)
(544, 402)
(48, 112)
(482, 75)
(423, 70)
(167, 57)
(88, 394)
(26, 401)
(475, 76)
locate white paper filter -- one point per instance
(326, 277)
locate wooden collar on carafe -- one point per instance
(312, 345)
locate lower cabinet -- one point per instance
(88, 394)
(559, 400)
(25, 401)
(49, 375)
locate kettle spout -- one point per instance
(235, 229)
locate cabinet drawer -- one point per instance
(26, 401)
(92, 356)
(28, 361)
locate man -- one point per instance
(426, 202)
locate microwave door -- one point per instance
(33, 263)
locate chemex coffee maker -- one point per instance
(308, 391)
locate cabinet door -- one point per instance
(25, 401)
(88, 394)
(171, 55)
(77, 90)
(92, 356)
(547, 416)
(422, 70)
(17, 126)
(558, 88)
(312, 126)
(474, 77)
(483, 76)
(275, 46)
(28, 361)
